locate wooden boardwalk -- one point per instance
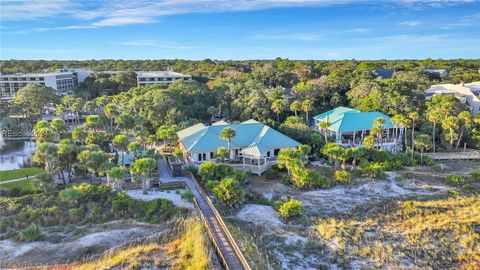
(469, 154)
(227, 249)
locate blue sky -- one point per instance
(242, 29)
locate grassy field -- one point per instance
(18, 173)
(25, 185)
(189, 250)
(436, 234)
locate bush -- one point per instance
(437, 168)
(212, 171)
(31, 233)
(343, 176)
(191, 168)
(454, 179)
(272, 173)
(187, 195)
(408, 175)
(374, 170)
(229, 191)
(290, 208)
(303, 178)
(475, 175)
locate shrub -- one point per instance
(272, 173)
(31, 233)
(437, 168)
(374, 170)
(187, 195)
(343, 176)
(454, 179)
(303, 178)
(191, 168)
(320, 181)
(229, 191)
(290, 208)
(475, 175)
(408, 175)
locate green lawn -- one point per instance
(23, 184)
(18, 173)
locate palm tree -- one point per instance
(118, 173)
(465, 118)
(434, 117)
(295, 106)
(396, 121)
(288, 158)
(144, 167)
(277, 107)
(422, 141)
(379, 123)
(58, 127)
(354, 153)
(333, 151)
(228, 134)
(120, 142)
(221, 153)
(93, 122)
(414, 116)
(324, 127)
(369, 142)
(111, 111)
(88, 106)
(450, 123)
(405, 123)
(79, 134)
(307, 107)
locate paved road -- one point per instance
(226, 247)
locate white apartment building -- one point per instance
(159, 77)
(468, 93)
(61, 81)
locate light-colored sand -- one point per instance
(260, 215)
(344, 199)
(96, 239)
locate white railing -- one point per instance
(256, 169)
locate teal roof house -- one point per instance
(253, 148)
(350, 126)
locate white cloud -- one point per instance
(126, 12)
(411, 23)
(34, 9)
(152, 43)
(297, 36)
(43, 29)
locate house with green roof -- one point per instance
(350, 126)
(254, 146)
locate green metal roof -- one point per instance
(344, 119)
(253, 137)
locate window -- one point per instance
(268, 153)
(211, 155)
(202, 157)
(275, 151)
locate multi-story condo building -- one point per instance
(159, 77)
(61, 81)
(468, 93)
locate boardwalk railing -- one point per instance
(468, 154)
(224, 228)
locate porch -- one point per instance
(387, 140)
